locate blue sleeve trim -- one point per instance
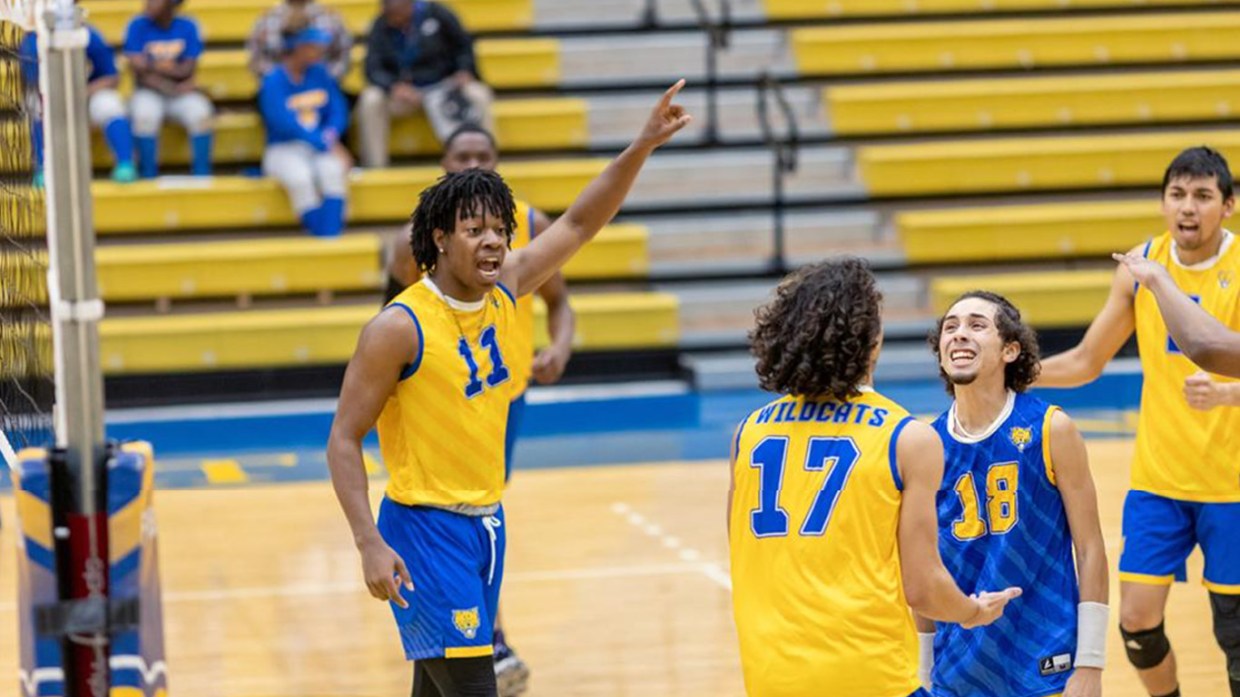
(507, 292)
(533, 227)
(408, 371)
(891, 453)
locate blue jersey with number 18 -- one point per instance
(1002, 523)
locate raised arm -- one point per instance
(388, 343)
(529, 268)
(1106, 335)
(1070, 464)
(1206, 341)
(929, 588)
(550, 362)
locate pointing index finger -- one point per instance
(671, 93)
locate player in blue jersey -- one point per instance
(1017, 498)
(104, 104)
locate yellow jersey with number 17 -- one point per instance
(816, 587)
(441, 432)
(1181, 452)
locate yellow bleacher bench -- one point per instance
(232, 20)
(293, 265)
(1046, 299)
(238, 267)
(1001, 233)
(1013, 164)
(375, 196)
(828, 9)
(1016, 43)
(527, 124)
(1032, 102)
(327, 336)
(504, 63)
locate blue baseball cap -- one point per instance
(309, 35)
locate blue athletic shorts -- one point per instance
(1160, 533)
(457, 565)
(516, 414)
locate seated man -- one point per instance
(266, 43)
(163, 51)
(418, 56)
(104, 103)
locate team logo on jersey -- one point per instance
(1224, 279)
(466, 622)
(1051, 665)
(1021, 437)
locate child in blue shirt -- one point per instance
(163, 51)
(305, 115)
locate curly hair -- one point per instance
(817, 337)
(1020, 373)
(456, 197)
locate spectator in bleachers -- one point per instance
(266, 42)
(305, 114)
(163, 51)
(104, 104)
(418, 57)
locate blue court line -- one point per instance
(564, 427)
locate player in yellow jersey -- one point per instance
(473, 147)
(431, 370)
(1185, 487)
(832, 522)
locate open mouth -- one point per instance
(1190, 227)
(489, 268)
(961, 357)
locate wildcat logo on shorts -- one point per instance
(1021, 437)
(466, 622)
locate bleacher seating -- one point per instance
(947, 46)
(785, 10)
(328, 335)
(1010, 233)
(1032, 102)
(376, 196)
(504, 63)
(298, 265)
(1047, 300)
(1025, 164)
(525, 124)
(230, 21)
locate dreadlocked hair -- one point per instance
(816, 338)
(455, 197)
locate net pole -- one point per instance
(75, 311)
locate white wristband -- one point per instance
(1091, 634)
(925, 665)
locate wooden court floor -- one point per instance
(617, 585)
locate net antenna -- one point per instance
(75, 309)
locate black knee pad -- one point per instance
(1226, 609)
(1146, 648)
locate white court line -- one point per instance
(710, 570)
(327, 589)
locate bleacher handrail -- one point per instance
(718, 33)
(786, 148)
